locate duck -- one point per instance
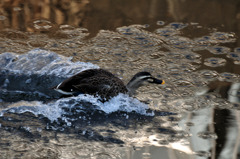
(102, 83)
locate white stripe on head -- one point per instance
(64, 92)
(58, 85)
(142, 77)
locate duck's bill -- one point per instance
(158, 81)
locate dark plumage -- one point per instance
(103, 83)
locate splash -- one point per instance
(38, 70)
(67, 109)
(42, 62)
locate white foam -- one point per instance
(121, 102)
(125, 103)
(40, 61)
(54, 110)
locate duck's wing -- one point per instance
(69, 84)
(87, 88)
(102, 86)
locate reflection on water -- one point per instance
(219, 140)
(44, 16)
(195, 115)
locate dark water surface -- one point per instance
(192, 45)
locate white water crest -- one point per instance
(42, 62)
(54, 110)
(37, 71)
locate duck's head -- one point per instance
(140, 78)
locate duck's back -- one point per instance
(95, 82)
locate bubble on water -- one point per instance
(68, 31)
(166, 32)
(214, 62)
(66, 27)
(202, 40)
(183, 83)
(160, 23)
(146, 26)
(208, 74)
(193, 57)
(222, 37)
(175, 71)
(229, 77)
(178, 25)
(181, 69)
(216, 38)
(130, 30)
(42, 25)
(235, 56)
(219, 50)
(135, 34)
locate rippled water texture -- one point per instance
(194, 115)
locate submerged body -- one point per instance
(102, 83)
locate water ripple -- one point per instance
(42, 25)
(229, 77)
(208, 74)
(44, 152)
(183, 83)
(21, 146)
(219, 50)
(235, 56)
(214, 62)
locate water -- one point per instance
(194, 115)
(176, 117)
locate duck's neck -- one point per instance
(133, 85)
